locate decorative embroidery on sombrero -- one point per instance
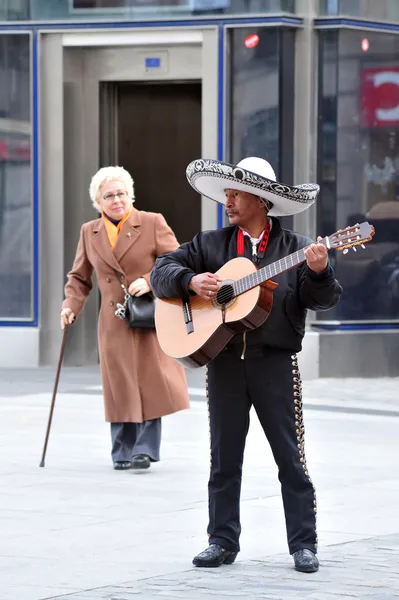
(304, 193)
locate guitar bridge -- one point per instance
(188, 317)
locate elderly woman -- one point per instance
(140, 383)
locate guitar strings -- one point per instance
(222, 299)
(224, 296)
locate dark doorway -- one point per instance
(158, 134)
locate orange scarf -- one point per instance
(114, 230)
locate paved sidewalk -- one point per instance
(368, 569)
(78, 530)
(348, 395)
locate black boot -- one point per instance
(141, 461)
(122, 465)
(214, 556)
(306, 561)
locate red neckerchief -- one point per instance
(261, 246)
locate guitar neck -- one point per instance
(343, 239)
(280, 266)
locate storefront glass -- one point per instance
(16, 199)
(387, 10)
(254, 96)
(97, 10)
(359, 167)
(260, 105)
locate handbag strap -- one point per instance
(121, 308)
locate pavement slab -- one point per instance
(78, 529)
(367, 569)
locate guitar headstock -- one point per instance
(355, 235)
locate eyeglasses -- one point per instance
(121, 194)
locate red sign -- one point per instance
(380, 97)
(252, 40)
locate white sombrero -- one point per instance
(253, 175)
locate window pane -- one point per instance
(371, 9)
(254, 101)
(359, 167)
(16, 214)
(15, 10)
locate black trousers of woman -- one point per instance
(269, 380)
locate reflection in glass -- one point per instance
(385, 10)
(359, 167)
(254, 72)
(16, 215)
(97, 10)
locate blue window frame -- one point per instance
(18, 217)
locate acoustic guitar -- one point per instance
(194, 331)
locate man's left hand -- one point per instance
(316, 257)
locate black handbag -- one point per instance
(139, 311)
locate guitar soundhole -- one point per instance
(225, 294)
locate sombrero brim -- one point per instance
(211, 178)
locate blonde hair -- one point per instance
(109, 174)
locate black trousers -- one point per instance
(270, 381)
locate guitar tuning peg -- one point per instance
(363, 246)
(354, 249)
(345, 251)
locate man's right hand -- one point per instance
(67, 317)
(205, 285)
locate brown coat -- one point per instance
(140, 382)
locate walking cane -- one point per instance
(57, 377)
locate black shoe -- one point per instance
(214, 556)
(141, 461)
(122, 465)
(306, 561)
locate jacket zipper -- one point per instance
(244, 335)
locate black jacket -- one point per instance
(299, 289)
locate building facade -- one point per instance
(310, 85)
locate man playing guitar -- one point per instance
(259, 367)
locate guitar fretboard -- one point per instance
(280, 266)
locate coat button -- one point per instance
(111, 303)
(108, 280)
(122, 277)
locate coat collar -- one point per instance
(129, 234)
